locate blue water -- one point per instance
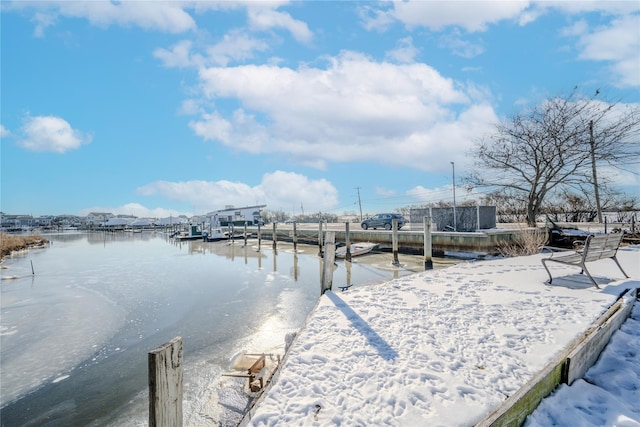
(74, 336)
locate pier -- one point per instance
(409, 240)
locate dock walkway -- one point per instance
(440, 347)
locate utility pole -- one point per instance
(453, 167)
(593, 169)
(359, 203)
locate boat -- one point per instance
(214, 235)
(192, 233)
(356, 249)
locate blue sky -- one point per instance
(165, 108)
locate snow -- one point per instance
(447, 347)
(610, 391)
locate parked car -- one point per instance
(382, 220)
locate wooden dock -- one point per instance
(409, 240)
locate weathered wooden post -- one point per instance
(165, 384)
(245, 233)
(328, 260)
(259, 237)
(394, 241)
(347, 241)
(274, 237)
(320, 238)
(428, 262)
(295, 237)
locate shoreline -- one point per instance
(10, 243)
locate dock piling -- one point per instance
(165, 384)
(295, 237)
(347, 240)
(428, 261)
(320, 238)
(394, 241)
(328, 261)
(275, 238)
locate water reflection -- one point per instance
(74, 336)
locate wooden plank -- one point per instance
(587, 352)
(165, 384)
(518, 406)
(258, 364)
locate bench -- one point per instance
(596, 247)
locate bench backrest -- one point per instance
(601, 246)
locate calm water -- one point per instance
(75, 336)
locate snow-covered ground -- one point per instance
(610, 391)
(446, 347)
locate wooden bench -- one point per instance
(596, 247)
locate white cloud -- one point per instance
(617, 43)
(278, 190)
(235, 46)
(354, 110)
(458, 46)
(4, 132)
(52, 134)
(261, 18)
(160, 16)
(43, 21)
(405, 53)
(179, 55)
(473, 16)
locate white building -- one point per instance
(237, 216)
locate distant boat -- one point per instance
(356, 249)
(193, 233)
(214, 235)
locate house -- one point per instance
(97, 218)
(237, 216)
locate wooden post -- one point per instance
(295, 237)
(245, 233)
(347, 241)
(165, 384)
(320, 238)
(394, 241)
(605, 225)
(275, 245)
(259, 237)
(328, 260)
(428, 262)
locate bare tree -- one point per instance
(549, 146)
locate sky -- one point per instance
(154, 108)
